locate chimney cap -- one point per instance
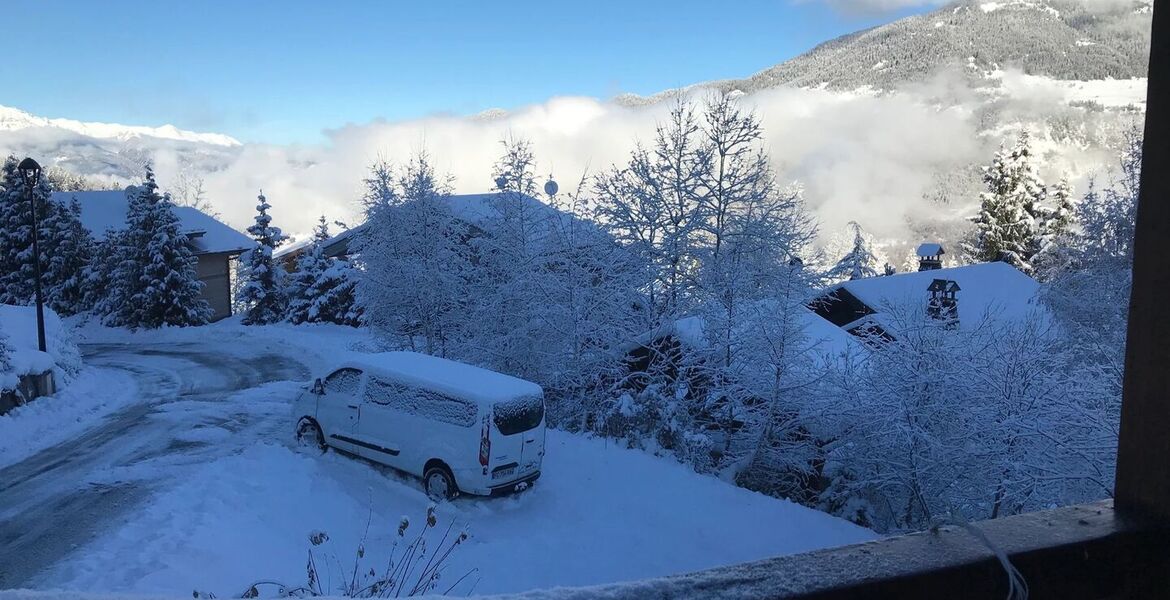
(930, 249)
(943, 285)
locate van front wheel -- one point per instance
(309, 435)
(440, 484)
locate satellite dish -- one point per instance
(551, 187)
(501, 182)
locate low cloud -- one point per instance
(900, 164)
(864, 158)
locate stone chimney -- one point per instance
(930, 256)
(944, 303)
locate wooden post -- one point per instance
(1143, 453)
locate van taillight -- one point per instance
(485, 444)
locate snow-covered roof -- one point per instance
(930, 249)
(447, 376)
(474, 209)
(102, 210)
(822, 336)
(994, 289)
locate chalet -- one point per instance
(959, 296)
(213, 243)
(474, 209)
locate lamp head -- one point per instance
(30, 172)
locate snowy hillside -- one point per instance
(12, 119)
(1060, 39)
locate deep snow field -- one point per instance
(244, 510)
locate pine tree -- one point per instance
(1060, 219)
(333, 295)
(1007, 227)
(101, 292)
(155, 267)
(264, 294)
(321, 289)
(859, 262)
(16, 259)
(71, 247)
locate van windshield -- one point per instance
(522, 414)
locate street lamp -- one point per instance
(30, 172)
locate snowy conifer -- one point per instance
(102, 292)
(264, 293)
(322, 288)
(70, 252)
(1007, 227)
(155, 269)
(1062, 215)
(16, 258)
(859, 262)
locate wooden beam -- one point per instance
(1143, 454)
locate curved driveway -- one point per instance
(65, 496)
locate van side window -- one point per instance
(423, 403)
(343, 381)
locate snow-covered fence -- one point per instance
(25, 371)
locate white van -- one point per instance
(461, 428)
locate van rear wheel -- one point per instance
(440, 484)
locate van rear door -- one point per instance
(513, 447)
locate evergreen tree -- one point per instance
(1059, 220)
(102, 293)
(17, 272)
(155, 273)
(1007, 225)
(311, 263)
(333, 295)
(1056, 232)
(322, 288)
(264, 294)
(70, 249)
(859, 262)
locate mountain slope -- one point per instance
(1060, 39)
(12, 119)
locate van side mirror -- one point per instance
(318, 387)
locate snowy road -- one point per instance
(66, 496)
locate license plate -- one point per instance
(504, 472)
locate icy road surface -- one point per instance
(66, 496)
(200, 487)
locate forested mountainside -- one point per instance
(1060, 39)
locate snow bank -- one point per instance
(19, 325)
(51, 420)
(599, 514)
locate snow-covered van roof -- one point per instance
(106, 209)
(994, 289)
(447, 376)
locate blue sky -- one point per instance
(282, 72)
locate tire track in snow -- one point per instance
(63, 497)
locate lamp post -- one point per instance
(30, 172)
